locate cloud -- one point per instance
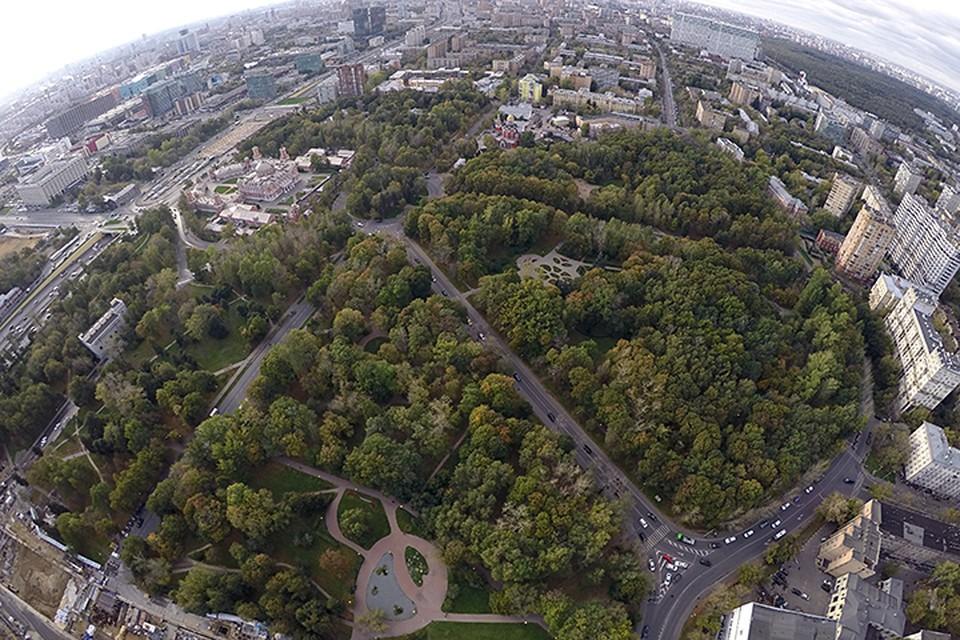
(920, 35)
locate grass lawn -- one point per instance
(10, 244)
(470, 599)
(377, 525)
(212, 354)
(409, 523)
(291, 545)
(281, 479)
(416, 565)
(224, 188)
(484, 631)
(294, 100)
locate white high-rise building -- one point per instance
(416, 36)
(931, 367)
(720, 38)
(926, 247)
(40, 188)
(949, 200)
(933, 464)
(907, 179)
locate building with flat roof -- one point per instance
(261, 85)
(42, 186)
(949, 199)
(853, 549)
(931, 365)
(351, 79)
(926, 247)
(709, 117)
(713, 36)
(907, 179)
(869, 238)
(843, 193)
(245, 217)
(530, 88)
(605, 102)
(792, 205)
(730, 147)
(72, 118)
(933, 464)
(105, 337)
(755, 621)
(861, 608)
(308, 63)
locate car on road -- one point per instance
(360, 224)
(652, 517)
(730, 540)
(780, 534)
(588, 450)
(849, 480)
(443, 292)
(681, 564)
(645, 632)
(762, 524)
(797, 592)
(482, 336)
(667, 578)
(214, 411)
(516, 376)
(552, 417)
(43, 441)
(776, 523)
(714, 545)
(651, 564)
(784, 506)
(705, 562)
(685, 540)
(808, 489)
(748, 533)
(643, 523)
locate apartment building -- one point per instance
(868, 240)
(853, 549)
(926, 247)
(719, 38)
(863, 610)
(907, 179)
(605, 102)
(843, 193)
(931, 366)
(105, 337)
(933, 464)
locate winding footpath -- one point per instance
(427, 599)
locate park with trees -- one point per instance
(696, 347)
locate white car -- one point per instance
(667, 578)
(730, 540)
(784, 506)
(748, 533)
(780, 534)
(808, 489)
(776, 523)
(680, 564)
(643, 523)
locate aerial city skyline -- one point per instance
(517, 319)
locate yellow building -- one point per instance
(531, 89)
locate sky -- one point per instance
(921, 35)
(42, 36)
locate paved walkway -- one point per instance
(427, 599)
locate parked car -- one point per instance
(784, 506)
(705, 562)
(748, 533)
(730, 540)
(651, 564)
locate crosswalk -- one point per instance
(655, 537)
(689, 549)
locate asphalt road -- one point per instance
(669, 107)
(11, 606)
(236, 389)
